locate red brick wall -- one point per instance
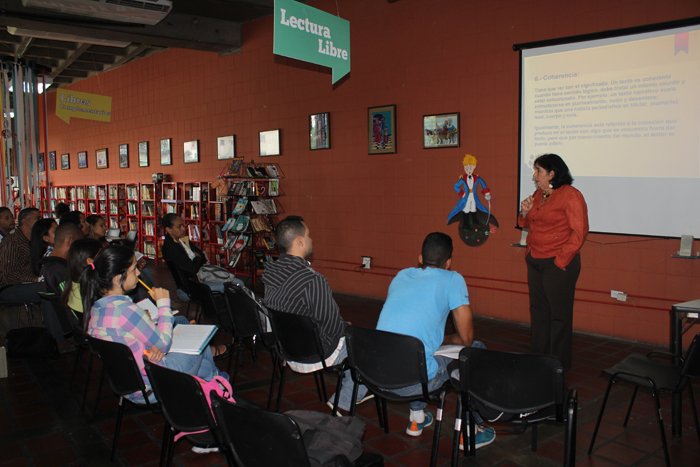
(435, 57)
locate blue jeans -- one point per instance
(438, 380)
(201, 365)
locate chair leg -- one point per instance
(472, 433)
(655, 395)
(99, 391)
(171, 448)
(695, 410)
(629, 411)
(353, 401)
(380, 417)
(600, 415)
(324, 398)
(283, 372)
(272, 379)
(570, 436)
(120, 414)
(385, 416)
(533, 448)
(436, 436)
(457, 433)
(338, 387)
(164, 445)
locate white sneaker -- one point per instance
(205, 450)
(330, 401)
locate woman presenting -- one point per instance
(557, 219)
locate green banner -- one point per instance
(313, 36)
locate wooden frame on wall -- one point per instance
(190, 151)
(441, 131)
(226, 147)
(381, 130)
(65, 161)
(123, 156)
(143, 154)
(320, 131)
(166, 153)
(82, 160)
(269, 142)
(102, 158)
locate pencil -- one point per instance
(147, 287)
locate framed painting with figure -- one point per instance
(124, 156)
(52, 160)
(166, 157)
(441, 131)
(82, 160)
(320, 131)
(143, 154)
(65, 161)
(102, 161)
(40, 162)
(381, 130)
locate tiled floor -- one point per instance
(41, 423)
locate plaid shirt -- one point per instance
(118, 319)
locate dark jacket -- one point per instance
(175, 252)
(53, 276)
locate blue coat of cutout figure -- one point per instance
(475, 219)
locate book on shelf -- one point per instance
(269, 243)
(220, 235)
(240, 206)
(191, 339)
(113, 223)
(149, 228)
(81, 206)
(234, 259)
(236, 167)
(264, 206)
(240, 242)
(147, 209)
(229, 243)
(133, 224)
(259, 258)
(146, 192)
(259, 224)
(261, 188)
(272, 170)
(218, 212)
(229, 223)
(252, 172)
(194, 211)
(241, 224)
(149, 249)
(274, 189)
(262, 172)
(193, 231)
(132, 192)
(195, 193)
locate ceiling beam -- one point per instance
(176, 30)
(23, 46)
(66, 63)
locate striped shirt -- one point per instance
(15, 266)
(292, 286)
(116, 318)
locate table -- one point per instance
(680, 311)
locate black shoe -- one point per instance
(221, 355)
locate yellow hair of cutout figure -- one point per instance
(469, 160)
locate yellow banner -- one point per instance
(83, 105)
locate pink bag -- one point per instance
(222, 388)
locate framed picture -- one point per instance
(40, 162)
(123, 156)
(320, 131)
(82, 160)
(65, 161)
(441, 131)
(52, 160)
(226, 147)
(190, 151)
(269, 143)
(381, 131)
(166, 157)
(143, 154)
(102, 161)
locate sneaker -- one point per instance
(204, 450)
(416, 429)
(484, 437)
(330, 401)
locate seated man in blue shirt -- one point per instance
(418, 304)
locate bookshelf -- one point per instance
(195, 212)
(91, 199)
(133, 206)
(102, 200)
(172, 198)
(150, 212)
(254, 191)
(116, 206)
(44, 202)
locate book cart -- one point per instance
(254, 191)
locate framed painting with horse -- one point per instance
(441, 131)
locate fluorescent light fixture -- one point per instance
(64, 37)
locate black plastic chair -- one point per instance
(522, 389)
(124, 378)
(213, 306)
(659, 377)
(19, 305)
(184, 407)
(258, 437)
(183, 284)
(247, 324)
(383, 361)
(130, 239)
(297, 340)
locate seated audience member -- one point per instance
(188, 257)
(77, 218)
(97, 228)
(418, 304)
(18, 282)
(291, 286)
(80, 254)
(7, 222)
(54, 268)
(111, 315)
(60, 210)
(41, 241)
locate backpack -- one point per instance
(212, 273)
(221, 386)
(31, 341)
(326, 437)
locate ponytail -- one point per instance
(97, 278)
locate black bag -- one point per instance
(325, 437)
(30, 342)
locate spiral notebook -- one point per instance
(191, 339)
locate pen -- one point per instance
(147, 287)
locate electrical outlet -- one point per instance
(622, 297)
(615, 293)
(366, 261)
